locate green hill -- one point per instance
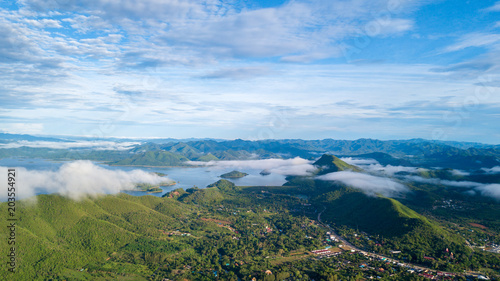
(329, 164)
(204, 196)
(379, 215)
(57, 234)
(223, 185)
(233, 175)
(207, 157)
(404, 228)
(123, 237)
(153, 158)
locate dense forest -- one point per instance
(226, 232)
(310, 228)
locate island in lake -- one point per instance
(233, 175)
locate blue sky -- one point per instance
(391, 69)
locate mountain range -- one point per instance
(414, 152)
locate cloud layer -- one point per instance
(374, 166)
(75, 180)
(494, 170)
(489, 189)
(97, 145)
(343, 68)
(369, 184)
(290, 167)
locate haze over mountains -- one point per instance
(390, 191)
(414, 152)
(268, 140)
(386, 165)
(135, 232)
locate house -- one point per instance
(426, 275)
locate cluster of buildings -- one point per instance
(449, 204)
(331, 238)
(176, 233)
(494, 248)
(325, 253)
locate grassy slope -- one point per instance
(57, 233)
(203, 196)
(379, 215)
(390, 219)
(329, 164)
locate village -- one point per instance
(391, 264)
(340, 253)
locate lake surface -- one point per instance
(185, 177)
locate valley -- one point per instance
(356, 217)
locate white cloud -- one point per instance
(474, 40)
(121, 9)
(237, 73)
(296, 166)
(97, 145)
(489, 190)
(76, 180)
(444, 182)
(84, 24)
(355, 161)
(163, 48)
(459, 173)
(23, 128)
(373, 166)
(386, 27)
(369, 184)
(44, 23)
(296, 29)
(391, 170)
(494, 8)
(494, 170)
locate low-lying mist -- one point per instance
(75, 180)
(96, 145)
(289, 167)
(486, 189)
(369, 184)
(372, 166)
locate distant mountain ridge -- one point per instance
(153, 158)
(16, 137)
(414, 152)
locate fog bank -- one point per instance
(75, 180)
